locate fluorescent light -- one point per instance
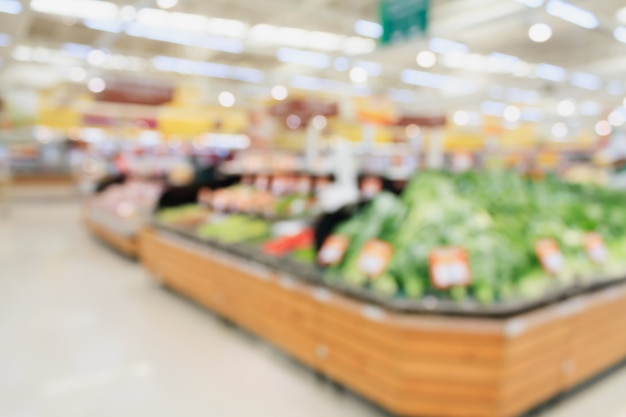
(306, 58)
(105, 25)
(492, 108)
(228, 27)
(620, 34)
(615, 88)
(298, 38)
(357, 46)
(520, 95)
(324, 41)
(10, 6)
(279, 92)
(5, 39)
(96, 85)
(77, 74)
(341, 64)
(445, 46)
(264, 34)
(603, 128)
(233, 46)
(616, 118)
(373, 69)
(76, 49)
(590, 108)
(532, 114)
(572, 14)
(368, 28)
(551, 72)
(587, 81)
(207, 69)
(82, 9)
(512, 114)
(441, 82)
(559, 130)
(501, 63)
(167, 4)
(621, 15)
(461, 118)
(401, 96)
(531, 3)
(226, 99)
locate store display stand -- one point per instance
(411, 365)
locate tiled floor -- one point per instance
(83, 332)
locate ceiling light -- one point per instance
(532, 115)
(293, 121)
(616, 118)
(445, 46)
(77, 74)
(603, 128)
(105, 25)
(559, 130)
(341, 64)
(512, 114)
(96, 85)
(620, 34)
(307, 58)
(355, 45)
(566, 108)
(587, 81)
(551, 72)
(426, 59)
(572, 14)
(615, 87)
(82, 9)
(412, 131)
(590, 108)
(97, 57)
(438, 81)
(167, 4)
(373, 69)
(10, 6)
(128, 13)
(461, 118)
(319, 122)
(279, 92)
(226, 99)
(531, 3)
(401, 96)
(540, 32)
(493, 108)
(368, 28)
(358, 75)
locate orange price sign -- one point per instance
(333, 250)
(550, 256)
(449, 267)
(374, 258)
(595, 248)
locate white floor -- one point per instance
(84, 332)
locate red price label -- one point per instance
(550, 256)
(449, 267)
(333, 250)
(595, 248)
(374, 258)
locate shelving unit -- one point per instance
(411, 365)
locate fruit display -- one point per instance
(134, 198)
(235, 229)
(487, 237)
(188, 215)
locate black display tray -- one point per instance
(427, 305)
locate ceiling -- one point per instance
(491, 63)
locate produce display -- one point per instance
(134, 198)
(487, 237)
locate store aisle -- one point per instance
(83, 332)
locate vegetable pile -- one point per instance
(497, 218)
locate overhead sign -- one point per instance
(403, 19)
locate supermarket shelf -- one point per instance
(42, 179)
(410, 364)
(125, 244)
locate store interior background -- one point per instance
(89, 88)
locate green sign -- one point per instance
(403, 19)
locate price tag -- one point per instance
(550, 256)
(595, 248)
(449, 267)
(262, 182)
(205, 196)
(374, 258)
(333, 250)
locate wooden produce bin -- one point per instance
(411, 365)
(120, 234)
(127, 245)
